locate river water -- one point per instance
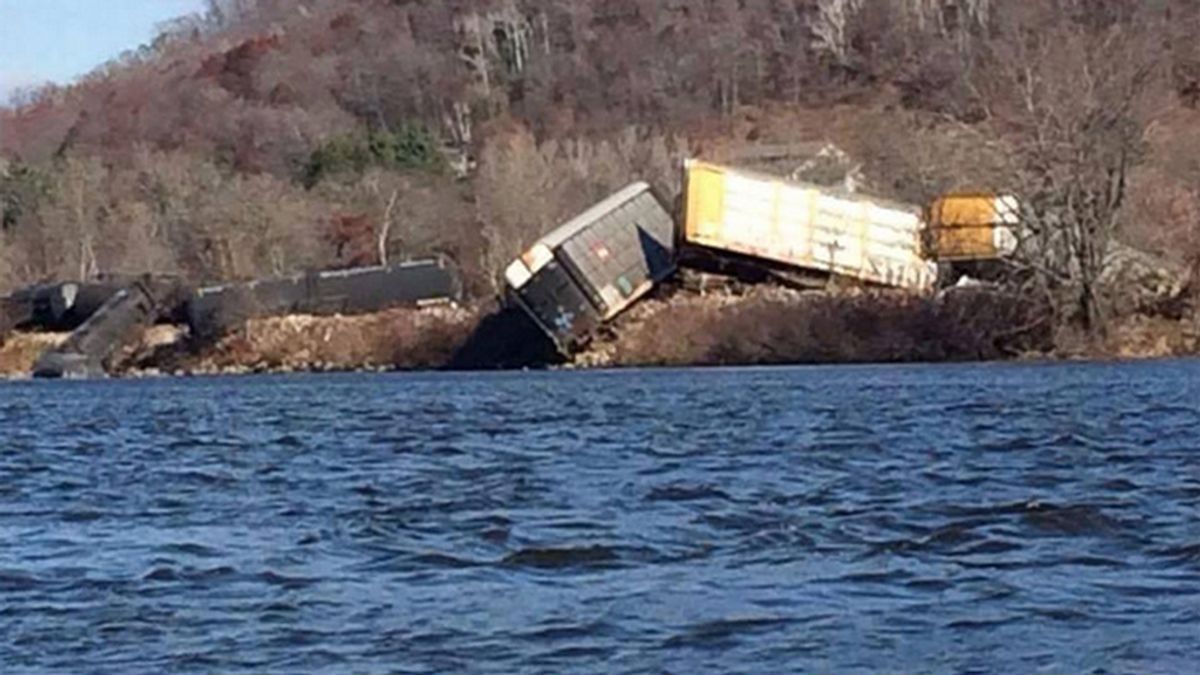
(992, 518)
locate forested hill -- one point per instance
(268, 136)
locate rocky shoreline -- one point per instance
(763, 325)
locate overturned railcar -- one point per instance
(805, 226)
(55, 307)
(972, 227)
(592, 268)
(114, 325)
(216, 309)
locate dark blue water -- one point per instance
(892, 519)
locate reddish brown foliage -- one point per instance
(235, 69)
(353, 240)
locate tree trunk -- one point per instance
(386, 228)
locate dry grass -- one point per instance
(20, 351)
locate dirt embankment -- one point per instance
(399, 339)
(758, 325)
(406, 339)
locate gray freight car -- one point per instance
(594, 267)
(215, 310)
(115, 325)
(56, 307)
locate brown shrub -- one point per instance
(353, 239)
(769, 326)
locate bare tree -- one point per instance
(385, 226)
(74, 219)
(1074, 101)
(831, 26)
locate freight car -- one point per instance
(592, 268)
(971, 227)
(805, 226)
(116, 324)
(214, 310)
(55, 307)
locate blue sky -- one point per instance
(59, 40)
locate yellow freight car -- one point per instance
(806, 226)
(978, 226)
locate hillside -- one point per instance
(269, 136)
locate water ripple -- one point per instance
(862, 519)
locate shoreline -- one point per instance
(134, 375)
(765, 327)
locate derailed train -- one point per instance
(579, 276)
(106, 318)
(805, 226)
(592, 268)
